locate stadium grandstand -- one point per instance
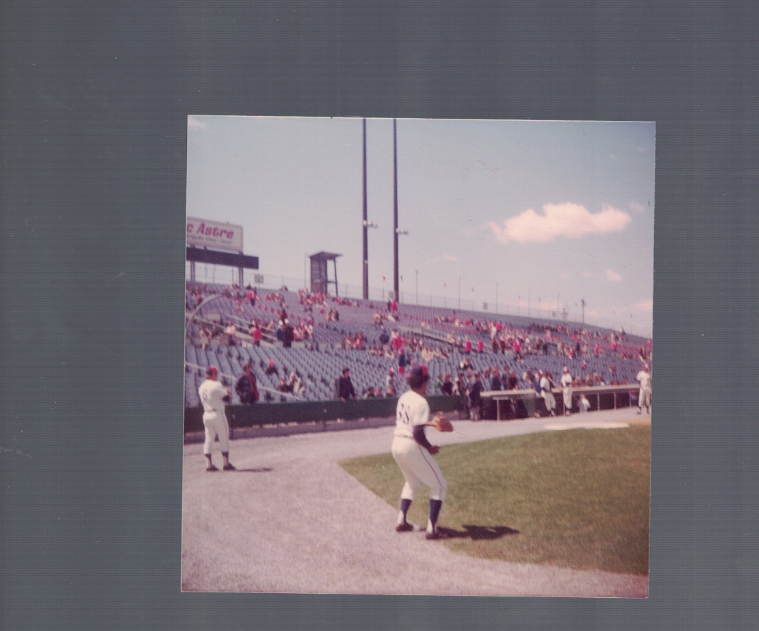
(330, 333)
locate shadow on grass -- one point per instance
(259, 470)
(479, 532)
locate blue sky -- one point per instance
(538, 211)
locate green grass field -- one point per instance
(575, 498)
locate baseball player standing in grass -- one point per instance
(413, 452)
(213, 395)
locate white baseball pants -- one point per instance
(418, 467)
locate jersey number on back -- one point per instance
(403, 415)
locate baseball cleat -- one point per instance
(212, 468)
(229, 467)
(405, 527)
(435, 535)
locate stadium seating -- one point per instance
(320, 368)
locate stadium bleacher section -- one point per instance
(325, 342)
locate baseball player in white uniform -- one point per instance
(644, 395)
(213, 395)
(545, 390)
(566, 386)
(413, 453)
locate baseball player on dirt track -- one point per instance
(413, 453)
(213, 396)
(644, 395)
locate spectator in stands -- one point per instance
(447, 387)
(588, 380)
(480, 346)
(271, 369)
(256, 334)
(231, 333)
(370, 393)
(296, 384)
(246, 386)
(495, 379)
(467, 346)
(345, 389)
(438, 383)
(401, 362)
(284, 386)
(384, 338)
(204, 336)
(513, 382)
(596, 349)
(473, 396)
(517, 347)
(529, 378)
(288, 334)
(390, 386)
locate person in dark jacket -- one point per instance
(473, 395)
(246, 386)
(495, 380)
(345, 386)
(288, 335)
(447, 387)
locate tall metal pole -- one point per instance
(366, 229)
(395, 211)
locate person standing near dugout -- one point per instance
(644, 395)
(566, 387)
(413, 453)
(214, 396)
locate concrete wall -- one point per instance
(305, 412)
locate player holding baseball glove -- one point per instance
(413, 452)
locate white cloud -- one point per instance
(637, 208)
(195, 123)
(446, 257)
(559, 220)
(613, 276)
(565, 275)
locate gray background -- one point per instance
(94, 104)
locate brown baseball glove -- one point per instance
(441, 424)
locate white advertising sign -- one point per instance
(212, 234)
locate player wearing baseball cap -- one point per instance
(413, 452)
(213, 396)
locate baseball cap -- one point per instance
(211, 370)
(418, 372)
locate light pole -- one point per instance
(366, 233)
(395, 210)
